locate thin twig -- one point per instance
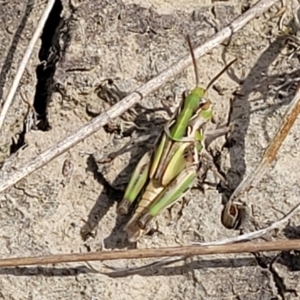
(270, 153)
(283, 245)
(134, 97)
(24, 61)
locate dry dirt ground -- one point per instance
(129, 42)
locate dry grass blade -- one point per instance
(184, 251)
(270, 154)
(24, 61)
(134, 97)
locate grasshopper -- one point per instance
(166, 173)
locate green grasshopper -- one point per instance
(167, 173)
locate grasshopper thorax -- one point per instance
(198, 91)
(200, 103)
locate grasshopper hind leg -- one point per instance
(136, 183)
(174, 191)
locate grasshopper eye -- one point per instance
(206, 105)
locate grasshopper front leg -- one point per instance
(212, 135)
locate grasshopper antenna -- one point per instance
(220, 73)
(194, 59)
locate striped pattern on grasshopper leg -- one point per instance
(167, 173)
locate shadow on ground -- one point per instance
(241, 111)
(162, 271)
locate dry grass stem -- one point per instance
(24, 61)
(270, 153)
(284, 245)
